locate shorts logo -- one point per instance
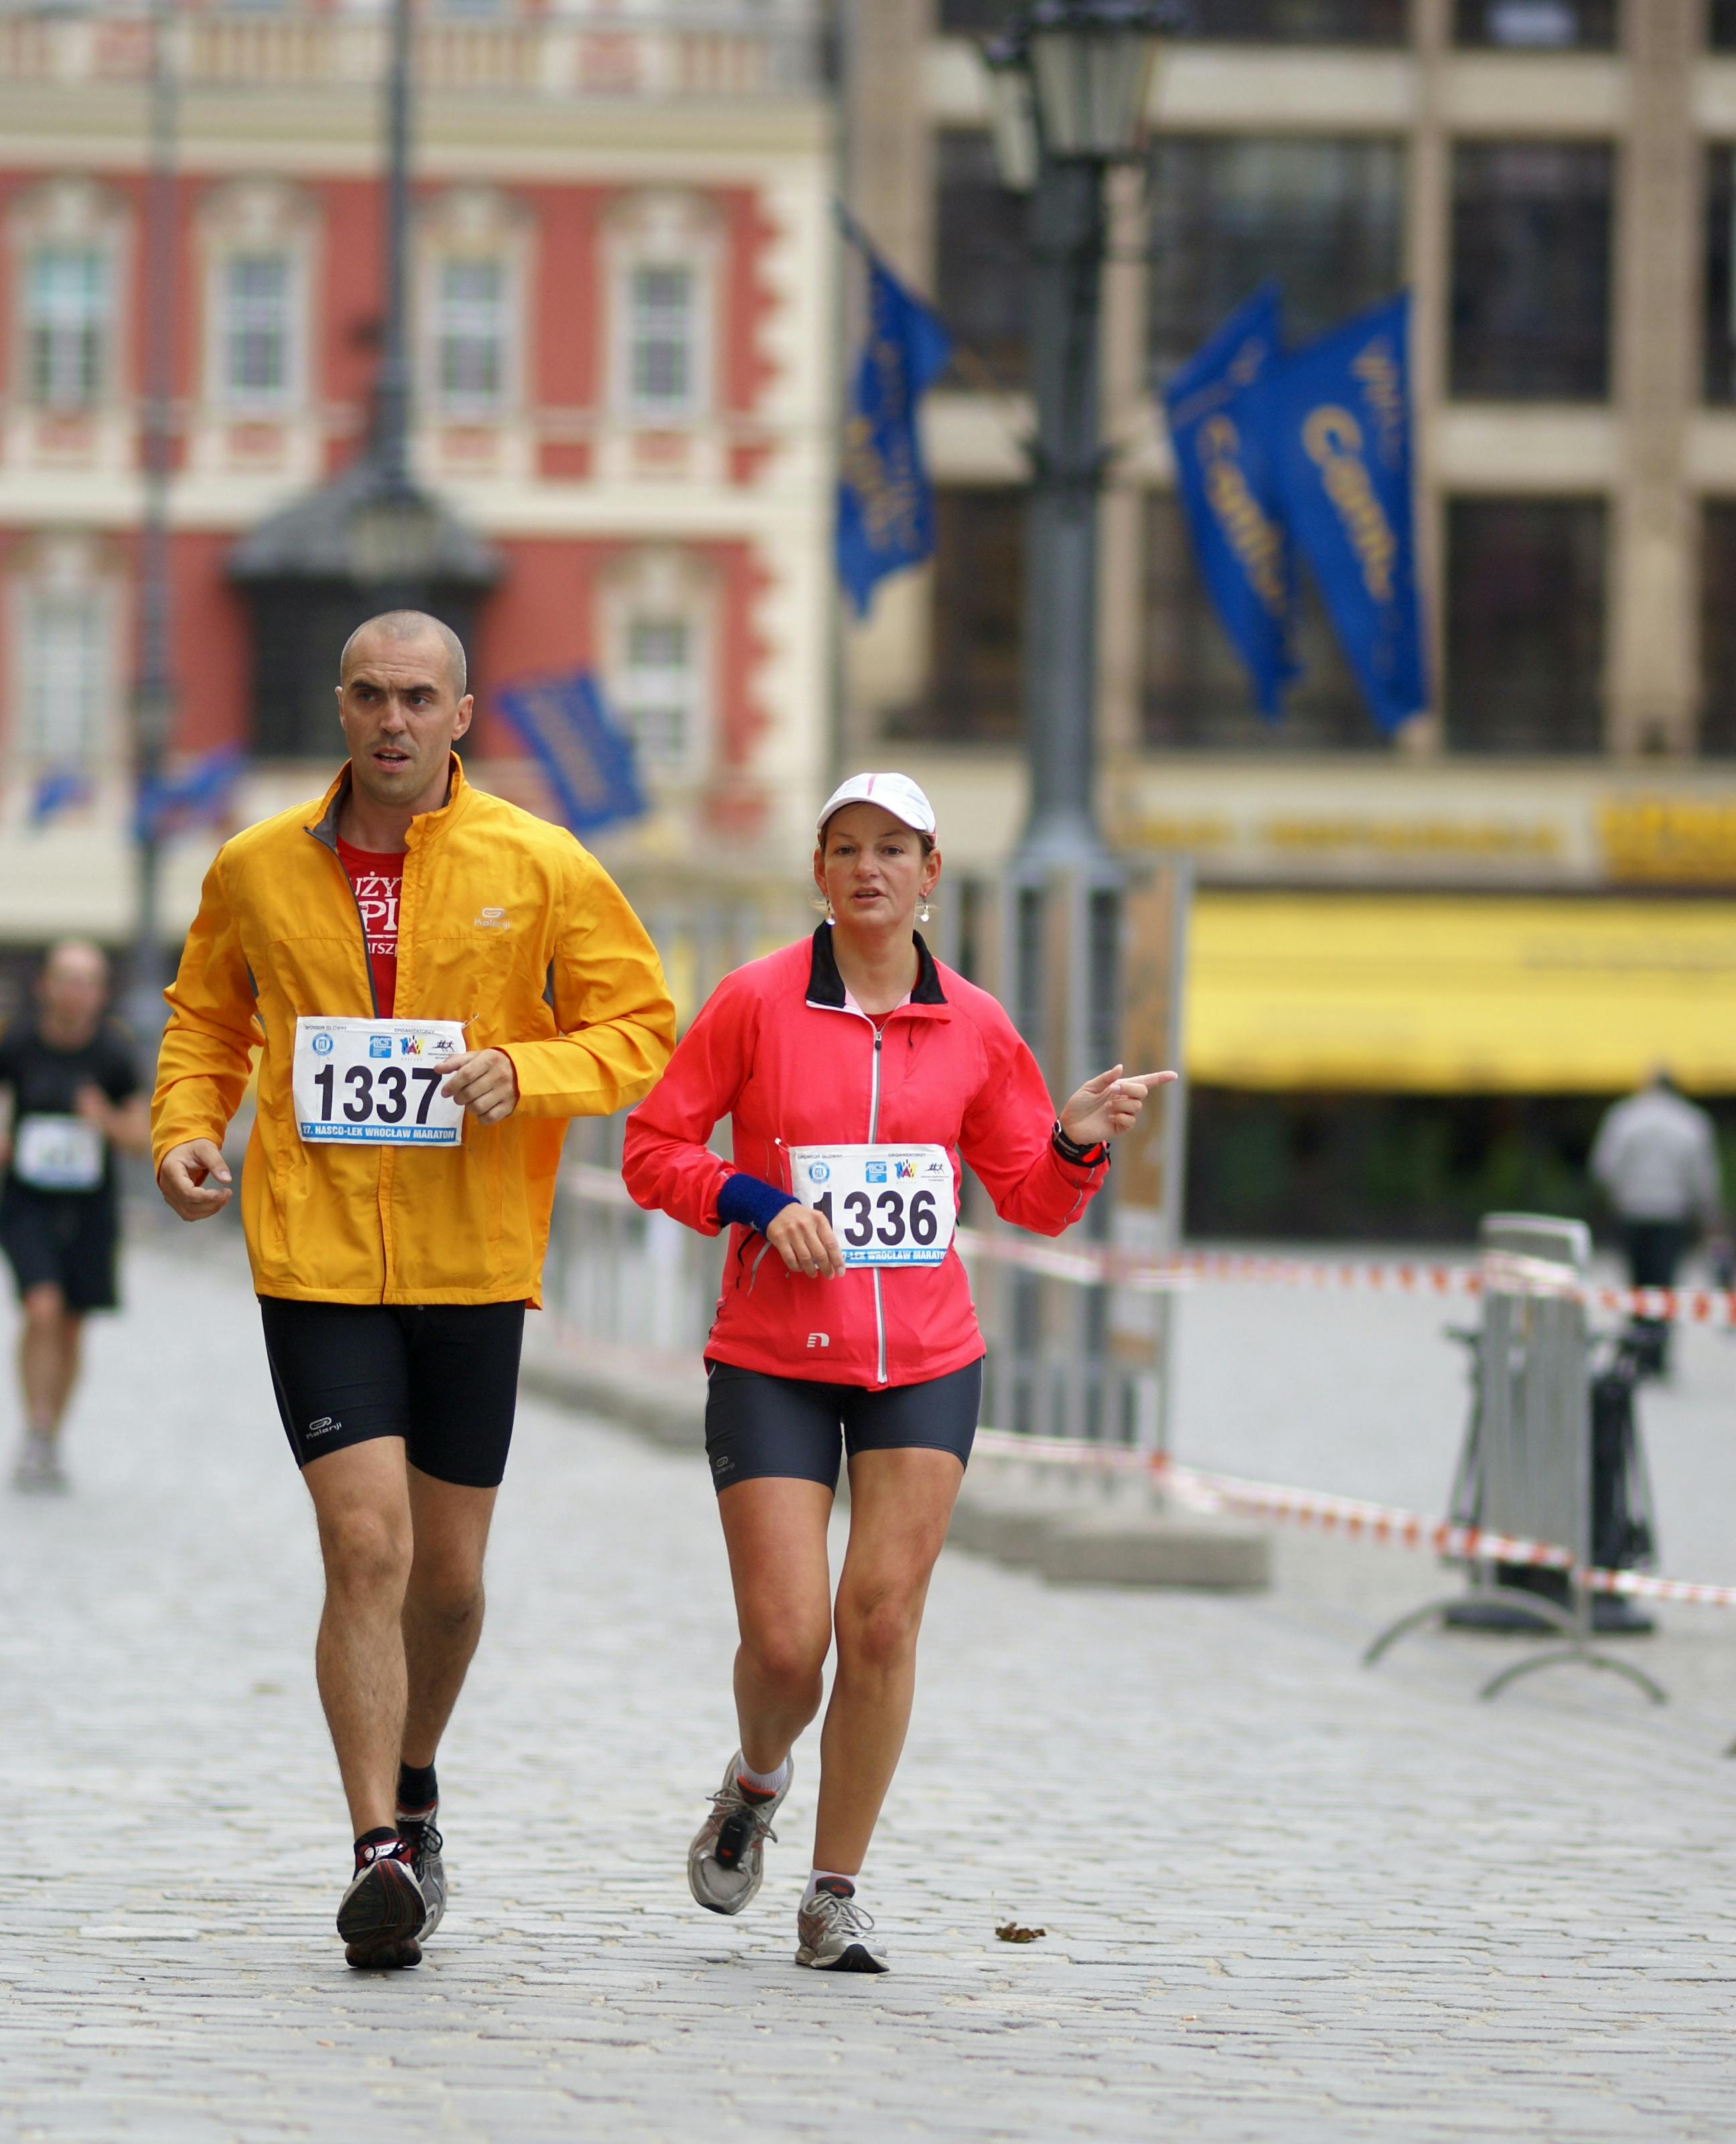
(379, 1045)
(323, 1045)
(723, 1464)
(324, 1427)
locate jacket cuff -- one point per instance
(751, 1202)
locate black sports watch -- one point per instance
(1081, 1157)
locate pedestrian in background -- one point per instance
(71, 1097)
(1656, 1158)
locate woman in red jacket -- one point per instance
(857, 1072)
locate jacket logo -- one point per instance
(493, 919)
(820, 1339)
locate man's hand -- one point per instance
(1104, 1107)
(804, 1240)
(195, 1179)
(93, 1105)
(485, 1081)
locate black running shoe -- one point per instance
(384, 1909)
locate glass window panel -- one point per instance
(1525, 625)
(67, 315)
(471, 333)
(1718, 628)
(1196, 693)
(1537, 25)
(66, 682)
(1532, 223)
(661, 363)
(982, 267)
(1720, 277)
(1324, 218)
(977, 615)
(256, 290)
(657, 694)
(1266, 22)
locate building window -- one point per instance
(256, 327)
(65, 675)
(1720, 293)
(658, 639)
(1531, 269)
(1537, 25)
(662, 334)
(1323, 218)
(1196, 693)
(976, 619)
(1525, 625)
(67, 297)
(473, 331)
(982, 260)
(656, 690)
(1718, 628)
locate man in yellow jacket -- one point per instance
(436, 982)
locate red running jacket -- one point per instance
(777, 1050)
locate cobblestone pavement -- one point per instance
(1284, 1898)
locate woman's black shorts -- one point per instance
(757, 1425)
(443, 1375)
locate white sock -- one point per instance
(832, 1875)
(764, 1782)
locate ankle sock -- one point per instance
(763, 1782)
(417, 1788)
(829, 1879)
(381, 1835)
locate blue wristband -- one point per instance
(752, 1201)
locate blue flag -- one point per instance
(198, 792)
(1336, 423)
(56, 788)
(886, 502)
(587, 758)
(1230, 496)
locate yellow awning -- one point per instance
(1430, 993)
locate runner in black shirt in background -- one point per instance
(72, 1096)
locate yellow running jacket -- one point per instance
(505, 923)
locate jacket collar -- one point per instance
(324, 827)
(825, 985)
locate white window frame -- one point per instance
(87, 597)
(671, 232)
(653, 590)
(92, 247)
(458, 405)
(226, 391)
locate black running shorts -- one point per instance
(443, 1377)
(756, 1425)
(66, 1237)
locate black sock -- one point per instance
(378, 1837)
(416, 1787)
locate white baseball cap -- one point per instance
(895, 794)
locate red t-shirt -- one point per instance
(378, 881)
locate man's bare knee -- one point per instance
(365, 1551)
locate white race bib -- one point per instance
(888, 1205)
(58, 1154)
(376, 1082)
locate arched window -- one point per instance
(474, 247)
(64, 616)
(663, 300)
(258, 243)
(659, 644)
(66, 245)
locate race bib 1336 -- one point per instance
(888, 1205)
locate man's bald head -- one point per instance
(398, 626)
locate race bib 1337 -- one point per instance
(376, 1082)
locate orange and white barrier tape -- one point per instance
(1101, 1264)
(1350, 1515)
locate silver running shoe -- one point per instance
(416, 1828)
(383, 1911)
(833, 1933)
(38, 1471)
(727, 1861)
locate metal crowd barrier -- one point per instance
(1526, 1470)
